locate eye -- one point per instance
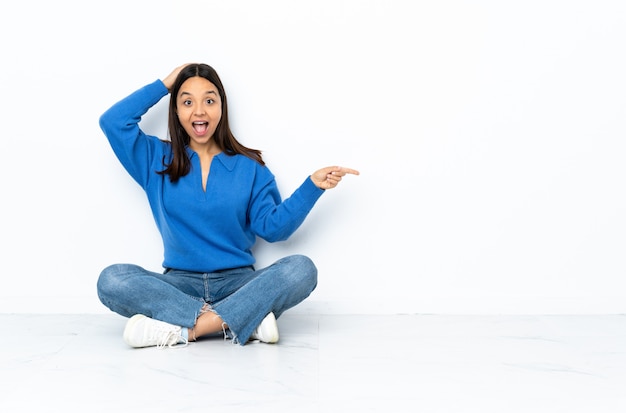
(187, 102)
(210, 101)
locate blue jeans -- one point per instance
(242, 297)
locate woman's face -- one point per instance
(199, 110)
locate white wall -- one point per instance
(490, 137)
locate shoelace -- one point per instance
(171, 339)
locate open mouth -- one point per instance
(200, 127)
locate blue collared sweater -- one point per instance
(203, 231)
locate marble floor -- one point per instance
(323, 363)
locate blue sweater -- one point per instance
(203, 231)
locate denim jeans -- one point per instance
(242, 297)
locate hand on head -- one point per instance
(169, 80)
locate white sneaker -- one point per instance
(267, 331)
(142, 331)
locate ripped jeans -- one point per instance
(242, 297)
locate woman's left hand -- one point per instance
(329, 177)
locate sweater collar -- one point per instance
(229, 161)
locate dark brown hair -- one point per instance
(180, 164)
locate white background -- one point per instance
(489, 135)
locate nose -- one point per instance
(199, 109)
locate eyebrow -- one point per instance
(208, 92)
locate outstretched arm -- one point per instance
(329, 177)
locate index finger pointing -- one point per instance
(349, 171)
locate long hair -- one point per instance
(180, 164)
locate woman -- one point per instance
(210, 197)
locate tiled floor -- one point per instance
(323, 363)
